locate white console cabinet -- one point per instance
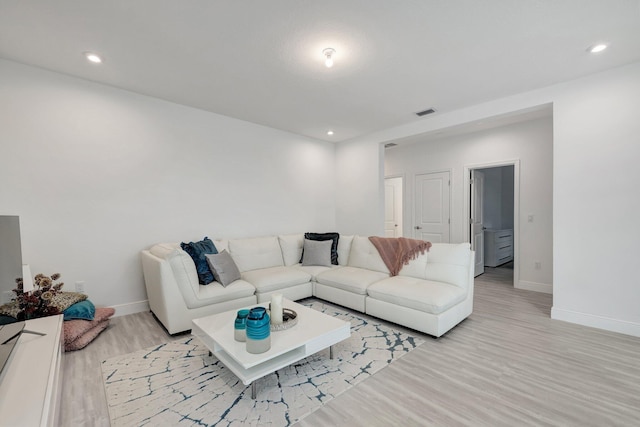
(31, 381)
(498, 247)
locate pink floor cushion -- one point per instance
(75, 330)
(87, 337)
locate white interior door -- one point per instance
(432, 196)
(393, 207)
(477, 220)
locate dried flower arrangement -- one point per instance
(37, 303)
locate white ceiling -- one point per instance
(261, 61)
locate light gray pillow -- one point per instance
(223, 267)
(317, 252)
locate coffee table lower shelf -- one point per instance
(314, 332)
(250, 376)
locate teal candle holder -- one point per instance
(240, 326)
(258, 330)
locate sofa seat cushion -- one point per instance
(350, 279)
(215, 293)
(274, 278)
(422, 295)
(313, 270)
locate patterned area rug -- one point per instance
(178, 383)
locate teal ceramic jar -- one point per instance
(240, 326)
(258, 330)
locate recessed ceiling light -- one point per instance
(330, 133)
(93, 57)
(597, 48)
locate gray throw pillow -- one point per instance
(223, 267)
(317, 252)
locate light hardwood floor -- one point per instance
(508, 364)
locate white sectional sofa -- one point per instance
(432, 294)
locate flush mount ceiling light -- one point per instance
(328, 55)
(330, 132)
(93, 57)
(596, 48)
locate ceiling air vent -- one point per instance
(390, 144)
(425, 112)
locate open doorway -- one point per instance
(493, 213)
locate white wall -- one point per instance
(595, 196)
(360, 195)
(96, 174)
(596, 201)
(529, 142)
(10, 256)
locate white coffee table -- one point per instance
(314, 331)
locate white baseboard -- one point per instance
(594, 321)
(533, 286)
(131, 308)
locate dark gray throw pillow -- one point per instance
(223, 267)
(327, 236)
(317, 252)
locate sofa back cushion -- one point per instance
(291, 246)
(221, 245)
(449, 263)
(416, 268)
(182, 265)
(344, 247)
(364, 255)
(255, 253)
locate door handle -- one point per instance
(417, 227)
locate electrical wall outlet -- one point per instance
(80, 286)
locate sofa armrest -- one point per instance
(162, 289)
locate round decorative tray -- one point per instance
(289, 320)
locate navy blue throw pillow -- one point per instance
(198, 252)
(326, 236)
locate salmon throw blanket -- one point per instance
(398, 251)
